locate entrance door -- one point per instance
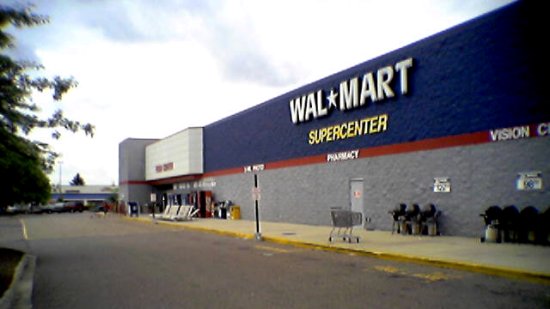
(356, 197)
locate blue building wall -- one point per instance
(82, 196)
(485, 74)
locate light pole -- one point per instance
(60, 174)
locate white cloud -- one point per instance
(151, 68)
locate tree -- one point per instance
(24, 163)
(77, 180)
(23, 179)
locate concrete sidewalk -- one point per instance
(505, 259)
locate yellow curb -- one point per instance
(472, 267)
(190, 227)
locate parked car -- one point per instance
(25, 209)
(98, 208)
(54, 207)
(15, 209)
(73, 206)
(35, 209)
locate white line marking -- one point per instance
(25, 235)
(278, 250)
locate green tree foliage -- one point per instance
(77, 180)
(22, 178)
(24, 163)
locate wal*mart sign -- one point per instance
(353, 93)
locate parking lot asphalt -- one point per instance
(469, 253)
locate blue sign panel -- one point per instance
(482, 75)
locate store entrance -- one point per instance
(201, 200)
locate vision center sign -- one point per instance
(353, 93)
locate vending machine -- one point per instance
(202, 200)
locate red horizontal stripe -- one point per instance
(133, 182)
(428, 144)
(174, 179)
(297, 162)
(162, 181)
(230, 171)
(422, 145)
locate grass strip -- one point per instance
(9, 259)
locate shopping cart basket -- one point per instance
(342, 224)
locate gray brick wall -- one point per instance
(131, 168)
(480, 176)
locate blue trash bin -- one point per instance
(133, 209)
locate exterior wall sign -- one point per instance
(343, 156)
(204, 183)
(164, 167)
(353, 93)
(519, 132)
(256, 194)
(254, 168)
(368, 125)
(543, 129)
(529, 181)
(442, 184)
(176, 155)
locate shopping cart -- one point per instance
(342, 224)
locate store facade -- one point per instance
(458, 119)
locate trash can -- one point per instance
(491, 234)
(235, 212)
(432, 229)
(133, 209)
(415, 228)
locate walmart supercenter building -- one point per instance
(460, 119)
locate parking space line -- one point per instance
(428, 277)
(273, 249)
(24, 227)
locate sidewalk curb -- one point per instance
(472, 267)
(19, 294)
(460, 265)
(194, 228)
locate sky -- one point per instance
(149, 69)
